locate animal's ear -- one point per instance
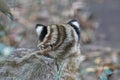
(39, 28)
(74, 23)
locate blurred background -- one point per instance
(99, 20)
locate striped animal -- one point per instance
(59, 40)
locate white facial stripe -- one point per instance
(39, 30)
(76, 24)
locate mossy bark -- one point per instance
(34, 68)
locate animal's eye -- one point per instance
(41, 31)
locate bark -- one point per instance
(37, 67)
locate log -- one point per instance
(19, 66)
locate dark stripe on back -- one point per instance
(68, 46)
(58, 36)
(62, 36)
(49, 36)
